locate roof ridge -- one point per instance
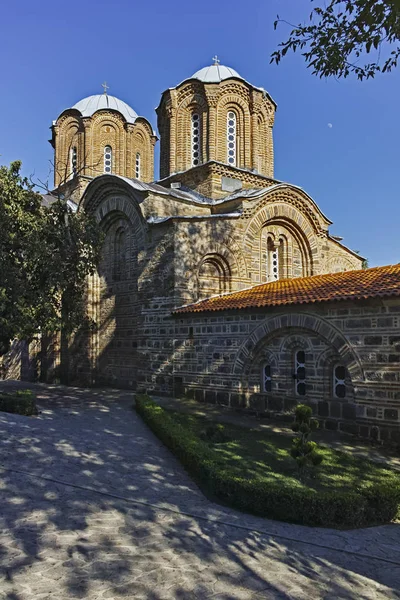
(344, 285)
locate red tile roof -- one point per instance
(349, 285)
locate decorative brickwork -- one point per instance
(88, 136)
(283, 296)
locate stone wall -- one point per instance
(219, 358)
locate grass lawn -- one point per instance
(265, 456)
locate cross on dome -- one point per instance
(105, 86)
(216, 60)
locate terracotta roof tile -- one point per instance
(366, 283)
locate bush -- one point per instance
(303, 451)
(215, 434)
(21, 403)
(374, 505)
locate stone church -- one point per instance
(218, 281)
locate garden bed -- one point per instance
(254, 472)
(21, 403)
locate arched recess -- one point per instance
(299, 217)
(255, 374)
(296, 324)
(112, 291)
(108, 130)
(194, 103)
(233, 102)
(326, 365)
(213, 276)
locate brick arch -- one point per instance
(289, 218)
(235, 260)
(223, 277)
(302, 322)
(109, 195)
(195, 102)
(227, 102)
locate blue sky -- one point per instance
(55, 53)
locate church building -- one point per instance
(219, 282)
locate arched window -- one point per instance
(339, 381)
(272, 261)
(300, 372)
(107, 159)
(266, 379)
(137, 166)
(231, 137)
(196, 140)
(73, 158)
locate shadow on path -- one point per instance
(164, 540)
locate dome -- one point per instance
(215, 73)
(88, 106)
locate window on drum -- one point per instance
(107, 159)
(137, 166)
(231, 138)
(196, 141)
(73, 162)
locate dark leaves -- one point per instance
(338, 34)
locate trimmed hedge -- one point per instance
(21, 403)
(374, 505)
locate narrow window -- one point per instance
(137, 166)
(339, 383)
(107, 159)
(231, 138)
(272, 261)
(73, 157)
(300, 372)
(266, 379)
(196, 140)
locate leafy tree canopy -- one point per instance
(338, 37)
(46, 254)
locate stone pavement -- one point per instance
(93, 506)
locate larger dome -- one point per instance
(215, 73)
(88, 106)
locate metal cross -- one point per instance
(216, 60)
(105, 86)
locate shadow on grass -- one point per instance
(58, 539)
(265, 455)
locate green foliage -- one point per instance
(46, 254)
(341, 32)
(291, 502)
(22, 403)
(303, 451)
(215, 434)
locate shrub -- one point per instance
(303, 451)
(377, 504)
(215, 434)
(21, 402)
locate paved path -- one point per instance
(93, 506)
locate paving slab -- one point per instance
(93, 506)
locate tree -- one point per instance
(46, 254)
(339, 34)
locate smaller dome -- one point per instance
(88, 106)
(215, 73)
